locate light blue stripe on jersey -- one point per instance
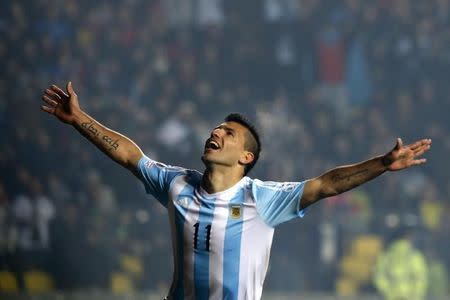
(201, 254)
(178, 291)
(179, 216)
(232, 250)
(278, 202)
(157, 177)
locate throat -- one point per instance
(214, 181)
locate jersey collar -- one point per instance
(226, 194)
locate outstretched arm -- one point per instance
(344, 178)
(64, 105)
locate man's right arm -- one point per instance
(117, 146)
(65, 107)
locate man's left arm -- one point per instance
(344, 178)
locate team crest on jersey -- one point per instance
(235, 211)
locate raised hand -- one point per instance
(61, 104)
(402, 156)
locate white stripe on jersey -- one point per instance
(178, 185)
(219, 224)
(256, 242)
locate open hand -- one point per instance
(405, 156)
(61, 104)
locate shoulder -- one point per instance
(184, 176)
(147, 163)
(154, 170)
(274, 185)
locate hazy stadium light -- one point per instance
(142, 216)
(392, 220)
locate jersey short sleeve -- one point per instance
(157, 177)
(278, 202)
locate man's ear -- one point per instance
(246, 157)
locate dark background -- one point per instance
(326, 82)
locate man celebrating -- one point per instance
(222, 221)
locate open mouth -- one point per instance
(212, 145)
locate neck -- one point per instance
(217, 179)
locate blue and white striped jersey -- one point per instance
(221, 242)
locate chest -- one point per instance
(206, 224)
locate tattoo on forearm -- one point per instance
(348, 177)
(90, 129)
(113, 143)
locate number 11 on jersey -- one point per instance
(208, 236)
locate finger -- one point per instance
(399, 143)
(415, 145)
(422, 150)
(49, 101)
(52, 98)
(417, 162)
(50, 110)
(70, 88)
(59, 91)
(426, 142)
(53, 95)
(420, 143)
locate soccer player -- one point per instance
(222, 221)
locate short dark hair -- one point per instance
(252, 141)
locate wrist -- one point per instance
(386, 160)
(78, 117)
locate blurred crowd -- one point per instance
(327, 82)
